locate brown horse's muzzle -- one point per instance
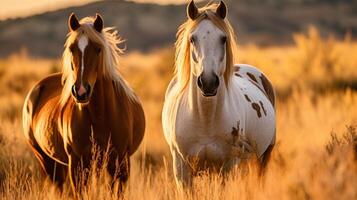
(81, 93)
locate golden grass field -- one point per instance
(316, 152)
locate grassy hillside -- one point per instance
(148, 26)
(316, 152)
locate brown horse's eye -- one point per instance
(71, 48)
(99, 49)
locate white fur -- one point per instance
(208, 50)
(82, 44)
(195, 125)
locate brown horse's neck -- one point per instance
(103, 98)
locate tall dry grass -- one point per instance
(316, 152)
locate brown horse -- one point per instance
(89, 103)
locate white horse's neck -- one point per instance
(206, 109)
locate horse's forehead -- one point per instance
(83, 43)
(208, 28)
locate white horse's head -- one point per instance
(208, 50)
(205, 49)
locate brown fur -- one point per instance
(247, 98)
(261, 89)
(62, 134)
(256, 107)
(262, 105)
(235, 132)
(113, 118)
(237, 74)
(268, 87)
(251, 76)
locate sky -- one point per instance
(21, 8)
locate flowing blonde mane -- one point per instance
(109, 40)
(182, 62)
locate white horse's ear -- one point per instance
(73, 23)
(192, 10)
(222, 10)
(98, 23)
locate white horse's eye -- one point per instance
(224, 39)
(193, 40)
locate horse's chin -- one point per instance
(81, 103)
(209, 95)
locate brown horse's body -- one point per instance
(64, 136)
(88, 104)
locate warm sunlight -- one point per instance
(178, 100)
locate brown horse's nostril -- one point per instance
(81, 93)
(74, 91)
(88, 89)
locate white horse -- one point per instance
(215, 112)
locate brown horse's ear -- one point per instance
(98, 23)
(73, 23)
(222, 10)
(192, 10)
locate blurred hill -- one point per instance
(148, 26)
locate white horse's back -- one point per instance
(257, 77)
(257, 95)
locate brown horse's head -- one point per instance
(86, 58)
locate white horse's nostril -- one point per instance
(199, 82)
(216, 81)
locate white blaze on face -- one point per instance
(82, 44)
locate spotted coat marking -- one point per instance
(236, 71)
(251, 76)
(262, 105)
(247, 98)
(256, 107)
(237, 74)
(256, 85)
(268, 89)
(235, 132)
